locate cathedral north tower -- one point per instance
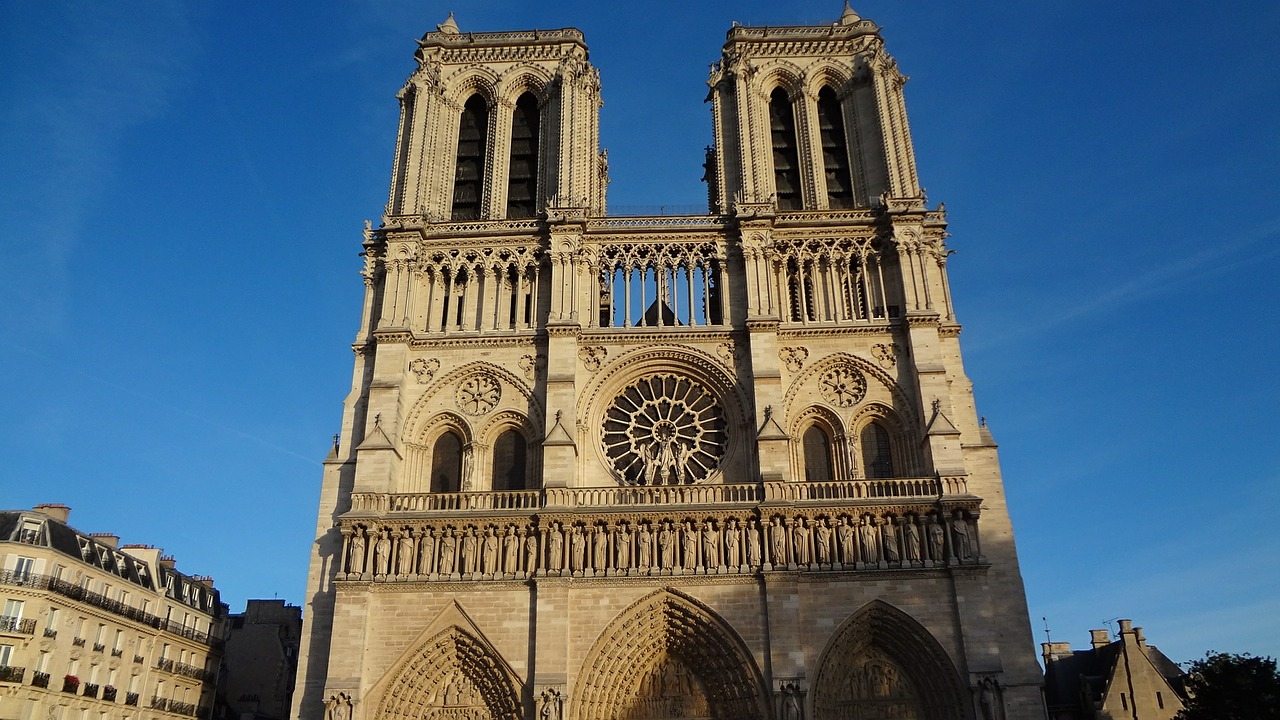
(599, 467)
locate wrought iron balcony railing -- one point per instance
(9, 673)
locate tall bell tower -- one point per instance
(635, 468)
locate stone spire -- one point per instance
(450, 26)
(848, 17)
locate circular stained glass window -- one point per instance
(664, 430)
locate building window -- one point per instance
(786, 161)
(877, 456)
(522, 176)
(24, 568)
(473, 142)
(1160, 699)
(13, 609)
(835, 150)
(6, 655)
(509, 462)
(817, 455)
(446, 464)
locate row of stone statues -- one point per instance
(655, 547)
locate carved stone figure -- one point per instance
(800, 533)
(448, 551)
(338, 707)
(666, 547)
(511, 552)
(600, 554)
(753, 544)
(989, 699)
(910, 539)
(469, 551)
(552, 708)
(844, 533)
(870, 551)
(356, 562)
(555, 548)
(822, 541)
(644, 546)
(889, 536)
(404, 555)
(531, 552)
(490, 552)
(382, 554)
(710, 551)
(778, 542)
(792, 709)
(427, 552)
(731, 544)
(577, 549)
(960, 535)
(622, 547)
(690, 546)
(936, 538)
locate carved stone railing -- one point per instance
(520, 501)
(660, 538)
(638, 222)
(631, 495)
(446, 502)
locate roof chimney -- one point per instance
(167, 561)
(1099, 638)
(108, 539)
(1142, 639)
(1052, 651)
(57, 511)
(1126, 627)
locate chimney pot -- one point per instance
(1099, 638)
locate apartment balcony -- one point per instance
(50, 633)
(131, 699)
(109, 694)
(90, 690)
(99, 647)
(40, 679)
(78, 642)
(17, 626)
(11, 674)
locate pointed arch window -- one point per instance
(786, 160)
(877, 454)
(835, 150)
(522, 176)
(817, 455)
(473, 143)
(509, 462)
(446, 463)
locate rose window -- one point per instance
(664, 430)
(478, 394)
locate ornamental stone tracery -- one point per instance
(664, 429)
(843, 386)
(478, 394)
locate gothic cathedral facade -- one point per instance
(712, 466)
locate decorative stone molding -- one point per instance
(592, 356)
(794, 357)
(478, 394)
(885, 353)
(843, 385)
(424, 368)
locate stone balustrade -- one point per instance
(520, 501)
(563, 541)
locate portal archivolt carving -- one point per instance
(882, 664)
(667, 656)
(452, 676)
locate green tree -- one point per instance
(1224, 686)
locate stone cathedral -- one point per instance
(707, 467)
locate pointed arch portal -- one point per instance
(452, 676)
(668, 656)
(883, 664)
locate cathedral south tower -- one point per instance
(711, 467)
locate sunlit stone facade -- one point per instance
(712, 466)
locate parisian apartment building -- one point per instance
(95, 630)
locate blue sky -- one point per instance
(182, 187)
